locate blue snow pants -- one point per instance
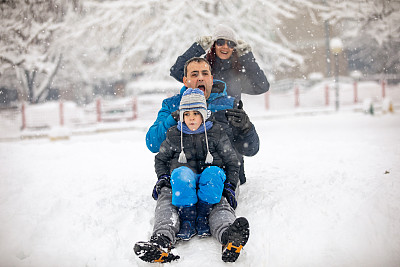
(189, 187)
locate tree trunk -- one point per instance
(23, 91)
(30, 79)
(44, 86)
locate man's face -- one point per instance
(199, 76)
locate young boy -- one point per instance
(197, 158)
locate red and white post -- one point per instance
(61, 113)
(296, 96)
(383, 88)
(134, 108)
(355, 87)
(23, 113)
(267, 100)
(326, 95)
(98, 109)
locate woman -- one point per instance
(231, 61)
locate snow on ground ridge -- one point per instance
(324, 190)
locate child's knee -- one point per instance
(213, 175)
(183, 176)
(211, 184)
(183, 182)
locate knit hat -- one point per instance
(224, 32)
(194, 99)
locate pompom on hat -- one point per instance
(224, 32)
(194, 99)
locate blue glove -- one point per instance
(164, 180)
(229, 194)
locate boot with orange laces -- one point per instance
(234, 239)
(158, 249)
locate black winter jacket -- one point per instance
(249, 80)
(195, 149)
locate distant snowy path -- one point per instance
(323, 191)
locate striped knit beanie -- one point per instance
(194, 99)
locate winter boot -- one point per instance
(234, 238)
(187, 215)
(203, 211)
(156, 250)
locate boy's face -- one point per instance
(192, 119)
(199, 76)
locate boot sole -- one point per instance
(185, 238)
(202, 235)
(237, 236)
(149, 252)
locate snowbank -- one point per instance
(323, 191)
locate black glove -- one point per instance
(229, 194)
(175, 115)
(164, 180)
(238, 119)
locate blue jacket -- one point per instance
(245, 144)
(157, 132)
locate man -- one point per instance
(230, 231)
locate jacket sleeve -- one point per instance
(177, 69)
(248, 143)
(229, 158)
(257, 82)
(162, 161)
(157, 132)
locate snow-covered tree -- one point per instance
(371, 32)
(111, 40)
(27, 29)
(114, 39)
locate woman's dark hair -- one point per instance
(211, 56)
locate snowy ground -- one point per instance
(324, 190)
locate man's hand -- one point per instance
(175, 115)
(164, 180)
(229, 194)
(205, 42)
(238, 119)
